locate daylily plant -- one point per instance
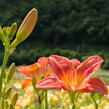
(35, 70)
(73, 76)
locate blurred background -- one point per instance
(71, 28)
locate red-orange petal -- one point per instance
(36, 71)
(89, 62)
(43, 61)
(62, 61)
(48, 73)
(75, 62)
(31, 70)
(49, 83)
(59, 65)
(25, 70)
(95, 85)
(25, 83)
(88, 67)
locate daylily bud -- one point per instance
(27, 25)
(1, 35)
(34, 82)
(11, 106)
(7, 93)
(12, 30)
(8, 29)
(5, 34)
(11, 72)
(14, 99)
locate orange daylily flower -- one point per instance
(71, 75)
(37, 70)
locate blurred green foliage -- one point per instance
(25, 57)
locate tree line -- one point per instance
(61, 21)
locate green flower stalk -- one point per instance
(11, 106)
(73, 97)
(46, 99)
(95, 100)
(37, 92)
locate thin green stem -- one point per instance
(46, 101)
(73, 106)
(73, 97)
(39, 105)
(3, 96)
(39, 98)
(2, 76)
(95, 103)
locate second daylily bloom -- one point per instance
(71, 75)
(37, 70)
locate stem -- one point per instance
(39, 98)
(3, 96)
(39, 105)
(3, 69)
(96, 105)
(2, 76)
(46, 101)
(73, 106)
(73, 97)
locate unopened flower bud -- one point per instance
(14, 99)
(11, 72)
(5, 34)
(26, 27)
(7, 93)
(1, 35)
(34, 82)
(12, 30)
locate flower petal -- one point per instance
(95, 85)
(59, 65)
(36, 71)
(25, 70)
(48, 73)
(25, 83)
(43, 61)
(76, 62)
(88, 67)
(49, 83)
(31, 70)
(64, 69)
